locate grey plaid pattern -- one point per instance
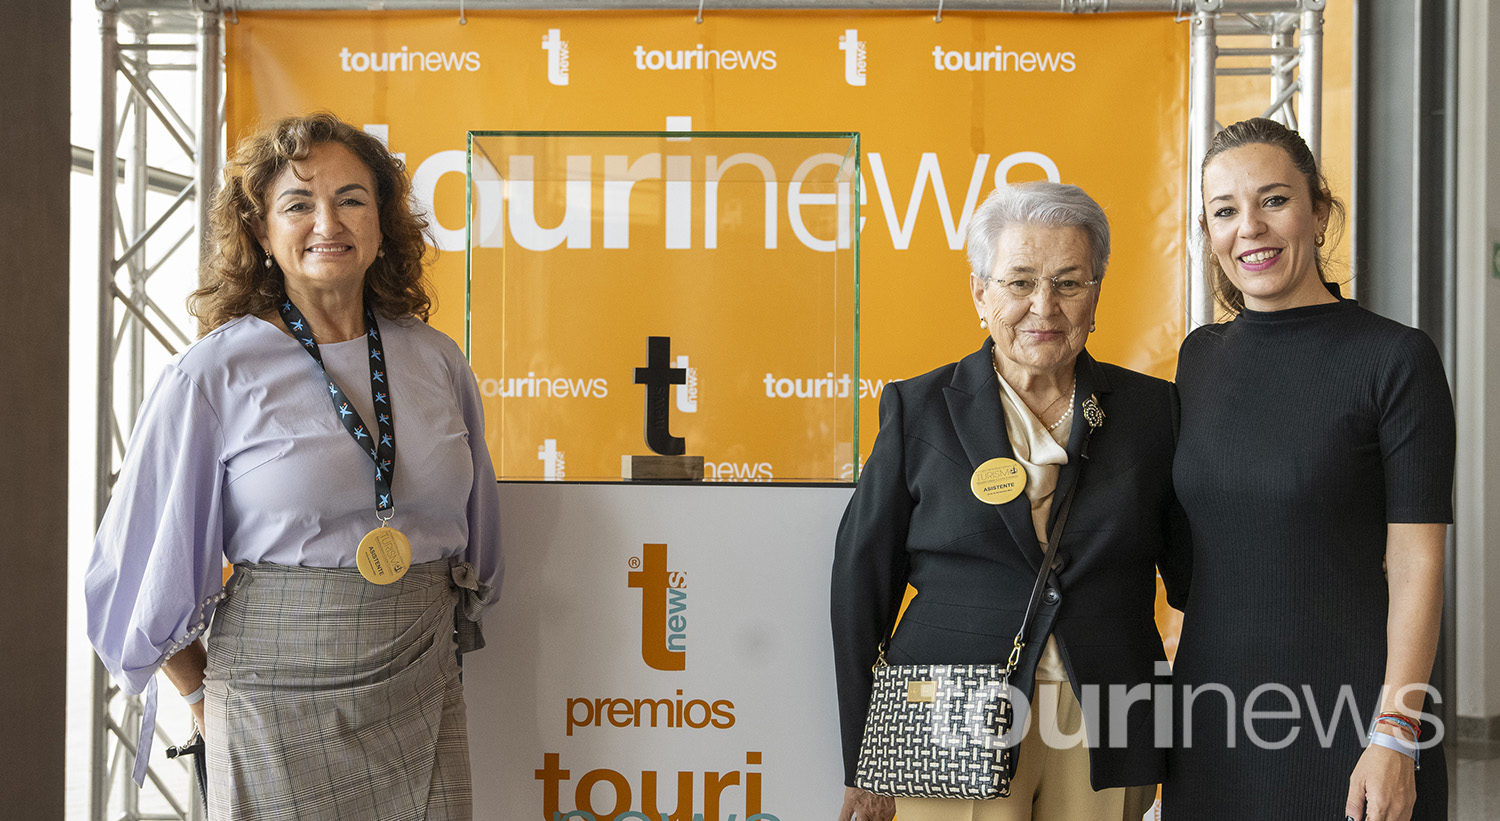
(950, 747)
(330, 698)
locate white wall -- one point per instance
(1478, 373)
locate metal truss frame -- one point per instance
(1281, 39)
(137, 239)
(1285, 45)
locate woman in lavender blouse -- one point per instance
(317, 420)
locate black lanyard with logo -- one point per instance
(384, 553)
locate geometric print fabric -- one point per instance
(938, 730)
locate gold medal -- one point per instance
(384, 555)
(998, 481)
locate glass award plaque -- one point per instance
(642, 302)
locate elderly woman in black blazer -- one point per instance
(1038, 253)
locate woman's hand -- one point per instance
(866, 806)
(1383, 786)
(198, 716)
(185, 670)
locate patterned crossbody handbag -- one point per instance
(943, 730)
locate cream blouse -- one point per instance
(1041, 453)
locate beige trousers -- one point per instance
(1051, 783)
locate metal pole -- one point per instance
(1310, 100)
(1031, 6)
(210, 38)
(1201, 126)
(104, 178)
(133, 260)
(210, 33)
(1281, 74)
(135, 181)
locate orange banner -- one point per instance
(944, 112)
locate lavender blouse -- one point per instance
(238, 455)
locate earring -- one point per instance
(268, 259)
(1318, 241)
(380, 252)
(984, 323)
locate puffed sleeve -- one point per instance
(483, 553)
(1417, 432)
(156, 570)
(869, 572)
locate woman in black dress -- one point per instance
(1315, 463)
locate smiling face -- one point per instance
(1042, 334)
(322, 222)
(1263, 224)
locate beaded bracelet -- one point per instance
(1403, 721)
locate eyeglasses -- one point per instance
(1063, 287)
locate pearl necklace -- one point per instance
(1067, 414)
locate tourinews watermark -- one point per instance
(959, 714)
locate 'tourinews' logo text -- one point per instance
(557, 57)
(1001, 60)
(531, 385)
(663, 609)
(701, 59)
(854, 57)
(407, 60)
(821, 387)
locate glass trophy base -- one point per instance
(657, 467)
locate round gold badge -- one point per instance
(384, 555)
(998, 481)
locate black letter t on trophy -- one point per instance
(658, 376)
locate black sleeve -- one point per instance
(1417, 432)
(869, 572)
(1176, 562)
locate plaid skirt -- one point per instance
(328, 697)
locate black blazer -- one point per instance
(913, 519)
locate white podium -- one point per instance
(659, 651)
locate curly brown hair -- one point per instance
(1262, 131)
(237, 283)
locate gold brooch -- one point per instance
(1092, 413)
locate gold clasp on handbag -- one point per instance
(1015, 656)
(921, 691)
(879, 658)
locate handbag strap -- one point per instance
(1053, 539)
(1094, 418)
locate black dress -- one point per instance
(1304, 431)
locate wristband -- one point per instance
(1401, 720)
(195, 696)
(1412, 730)
(1400, 745)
